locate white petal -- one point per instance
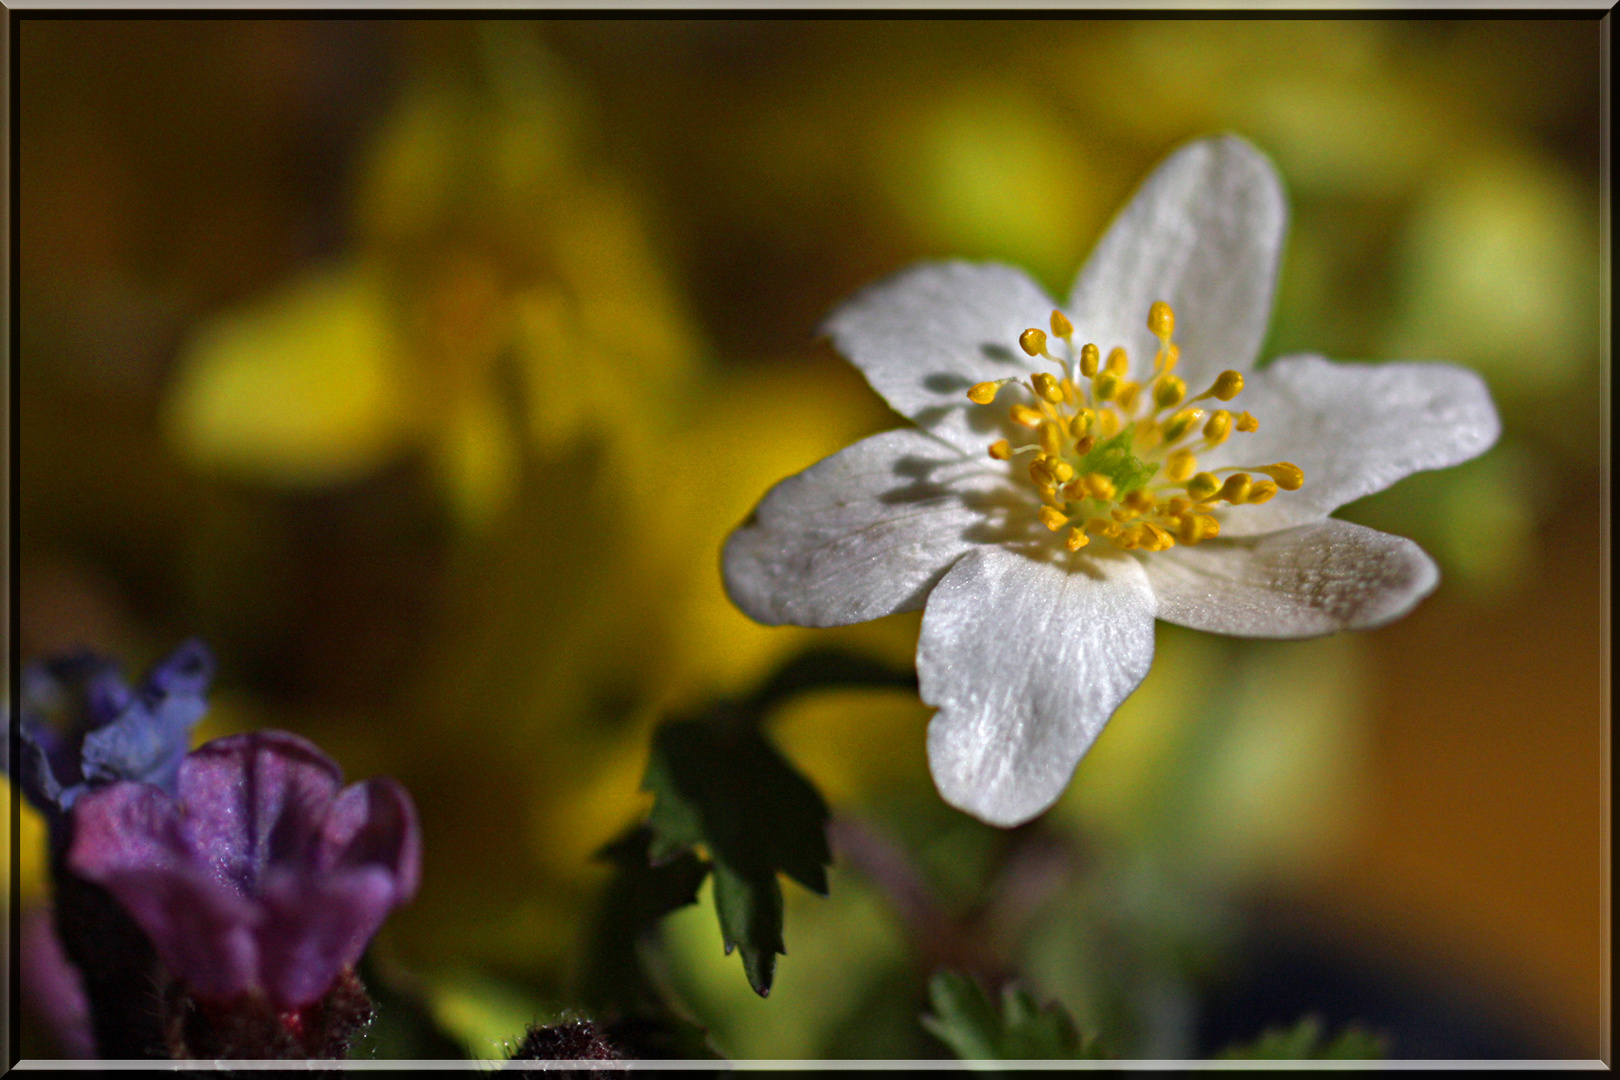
(1354, 429)
(1318, 578)
(1026, 660)
(863, 533)
(925, 335)
(1203, 233)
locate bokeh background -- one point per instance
(422, 367)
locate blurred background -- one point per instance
(422, 368)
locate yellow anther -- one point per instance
(1122, 513)
(1236, 488)
(1178, 505)
(1157, 539)
(1181, 465)
(1289, 476)
(1074, 491)
(1196, 527)
(1132, 537)
(1026, 416)
(1247, 422)
(1001, 449)
(1081, 423)
(1108, 424)
(1106, 385)
(1071, 393)
(1219, 427)
(1053, 518)
(1140, 501)
(1261, 491)
(1077, 539)
(1126, 395)
(1063, 471)
(1178, 425)
(1203, 486)
(1051, 438)
(1040, 471)
(1033, 341)
(1099, 486)
(1228, 385)
(1089, 358)
(1161, 320)
(1118, 361)
(1083, 444)
(1102, 527)
(1168, 391)
(1061, 326)
(984, 393)
(1046, 387)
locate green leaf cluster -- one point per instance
(967, 1021)
(721, 787)
(1305, 1041)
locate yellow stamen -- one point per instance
(1118, 361)
(1289, 476)
(1180, 466)
(1053, 518)
(1061, 326)
(1168, 391)
(1082, 422)
(1203, 486)
(1219, 427)
(1161, 320)
(1051, 438)
(1140, 501)
(984, 393)
(1063, 471)
(1228, 385)
(1126, 395)
(1099, 486)
(1102, 527)
(1077, 539)
(1025, 416)
(1001, 450)
(1236, 488)
(1089, 357)
(1247, 422)
(1040, 471)
(1177, 425)
(1106, 385)
(1261, 491)
(1083, 445)
(1046, 387)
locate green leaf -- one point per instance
(719, 783)
(639, 895)
(1303, 1042)
(966, 1021)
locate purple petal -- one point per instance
(373, 824)
(129, 838)
(253, 799)
(316, 925)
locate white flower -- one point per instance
(1113, 491)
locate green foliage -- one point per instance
(969, 1023)
(640, 894)
(719, 784)
(1304, 1041)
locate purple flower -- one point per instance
(107, 732)
(262, 874)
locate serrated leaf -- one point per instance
(640, 894)
(1303, 1042)
(968, 1022)
(718, 782)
